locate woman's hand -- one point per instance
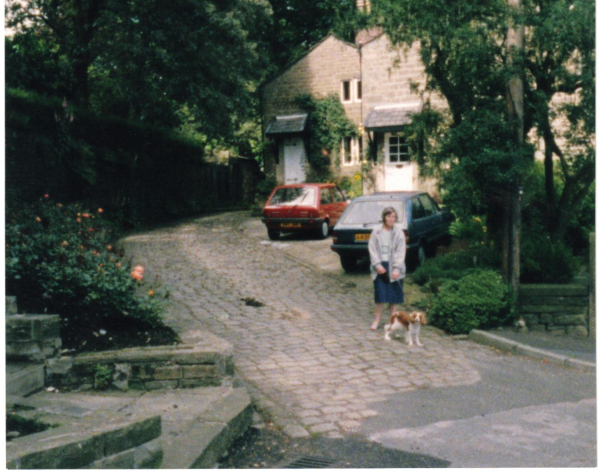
(395, 275)
(380, 269)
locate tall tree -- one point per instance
(463, 48)
(148, 60)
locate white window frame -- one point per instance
(354, 152)
(355, 83)
(407, 159)
(352, 91)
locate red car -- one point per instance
(303, 207)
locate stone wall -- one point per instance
(149, 368)
(31, 337)
(561, 309)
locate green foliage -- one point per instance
(544, 261)
(26, 426)
(327, 125)
(473, 229)
(265, 186)
(61, 259)
(351, 185)
(455, 265)
(103, 376)
(478, 300)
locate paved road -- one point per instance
(306, 352)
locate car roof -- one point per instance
(401, 195)
(304, 185)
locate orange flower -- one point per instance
(78, 219)
(118, 264)
(46, 196)
(138, 272)
(100, 210)
(91, 229)
(64, 243)
(109, 247)
(59, 204)
(151, 293)
(85, 214)
(38, 219)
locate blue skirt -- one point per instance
(391, 292)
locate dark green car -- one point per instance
(425, 226)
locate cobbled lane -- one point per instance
(307, 355)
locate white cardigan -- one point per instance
(397, 251)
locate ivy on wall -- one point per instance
(327, 125)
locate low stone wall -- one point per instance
(555, 308)
(126, 445)
(149, 368)
(32, 337)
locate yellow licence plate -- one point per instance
(362, 237)
(289, 225)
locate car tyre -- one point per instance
(421, 255)
(323, 231)
(348, 262)
(274, 234)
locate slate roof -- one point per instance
(391, 117)
(287, 124)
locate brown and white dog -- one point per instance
(411, 322)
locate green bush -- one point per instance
(544, 261)
(456, 264)
(60, 259)
(478, 300)
(351, 185)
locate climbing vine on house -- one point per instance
(327, 125)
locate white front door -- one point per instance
(400, 173)
(294, 160)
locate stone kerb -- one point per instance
(555, 308)
(121, 445)
(149, 368)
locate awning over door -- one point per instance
(391, 117)
(287, 125)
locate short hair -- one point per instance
(387, 211)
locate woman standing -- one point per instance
(387, 249)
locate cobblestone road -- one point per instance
(310, 361)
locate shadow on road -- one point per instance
(267, 448)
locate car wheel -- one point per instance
(421, 255)
(348, 262)
(323, 232)
(274, 234)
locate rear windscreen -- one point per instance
(369, 212)
(294, 197)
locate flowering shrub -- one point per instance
(60, 259)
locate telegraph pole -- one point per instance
(515, 43)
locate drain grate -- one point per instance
(309, 463)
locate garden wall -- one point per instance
(559, 309)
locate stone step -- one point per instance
(553, 290)
(24, 379)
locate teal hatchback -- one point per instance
(425, 226)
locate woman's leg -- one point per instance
(392, 309)
(378, 309)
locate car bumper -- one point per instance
(292, 224)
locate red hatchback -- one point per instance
(303, 207)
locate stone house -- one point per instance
(379, 86)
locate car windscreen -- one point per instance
(369, 212)
(294, 197)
